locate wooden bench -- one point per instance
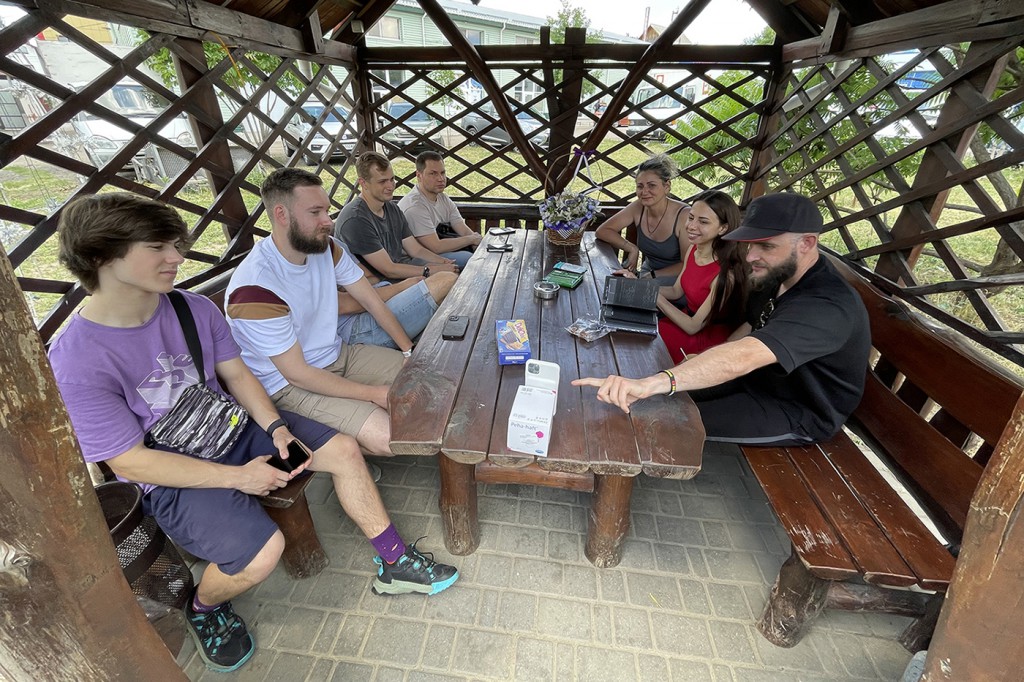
(932, 411)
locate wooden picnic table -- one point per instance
(454, 398)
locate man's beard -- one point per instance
(302, 243)
(775, 276)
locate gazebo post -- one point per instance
(70, 608)
(980, 627)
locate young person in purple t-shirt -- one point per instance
(121, 364)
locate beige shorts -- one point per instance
(370, 365)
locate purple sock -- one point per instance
(389, 544)
(200, 607)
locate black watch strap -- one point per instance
(275, 425)
(426, 271)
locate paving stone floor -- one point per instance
(698, 564)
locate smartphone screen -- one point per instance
(297, 456)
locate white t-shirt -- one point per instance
(423, 215)
(271, 304)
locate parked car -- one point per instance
(301, 125)
(410, 129)
(485, 120)
(101, 139)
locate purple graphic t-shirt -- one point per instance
(117, 382)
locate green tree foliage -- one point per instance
(238, 77)
(444, 78)
(569, 16)
(817, 131)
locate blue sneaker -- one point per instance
(223, 641)
(413, 572)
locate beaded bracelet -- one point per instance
(671, 380)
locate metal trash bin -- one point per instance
(152, 565)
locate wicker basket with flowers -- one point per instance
(567, 214)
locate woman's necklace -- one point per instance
(650, 232)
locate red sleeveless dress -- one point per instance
(696, 284)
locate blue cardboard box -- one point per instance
(513, 342)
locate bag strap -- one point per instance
(188, 326)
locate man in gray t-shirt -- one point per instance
(376, 232)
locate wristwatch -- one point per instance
(408, 353)
(275, 425)
(426, 271)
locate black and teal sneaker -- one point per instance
(223, 641)
(413, 572)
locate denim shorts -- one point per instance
(460, 257)
(221, 525)
(413, 307)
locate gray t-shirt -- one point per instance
(363, 232)
(424, 215)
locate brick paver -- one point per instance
(698, 564)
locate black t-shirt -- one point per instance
(820, 335)
(363, 232)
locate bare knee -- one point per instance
(336, 453)
(440, 283)
(265, 560)
(375, 435)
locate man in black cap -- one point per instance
(794, 372)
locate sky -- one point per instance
(723, 22)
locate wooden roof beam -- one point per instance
(858, 12)
(711, 56)
(202, 21)
(484, 76)
(787, 22)
(954, 21)
(635, 76)
(834, 34)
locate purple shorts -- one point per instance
(223, 526)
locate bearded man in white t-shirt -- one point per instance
(291, 305)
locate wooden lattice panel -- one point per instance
(915, 158)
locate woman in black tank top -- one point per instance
(660, 221)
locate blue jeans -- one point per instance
(460, 257)
(413, 307)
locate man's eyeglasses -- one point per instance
(766, 312)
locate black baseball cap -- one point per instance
(775, 214)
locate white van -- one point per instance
(658, 106)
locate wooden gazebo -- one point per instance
(903, 119)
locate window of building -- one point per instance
(527, 40)
(386, 27)
(393, 77)
(526, 91)
(474, 36)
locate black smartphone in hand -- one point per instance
(297, 456)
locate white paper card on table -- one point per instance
(529, 423)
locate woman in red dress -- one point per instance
(713, 281)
